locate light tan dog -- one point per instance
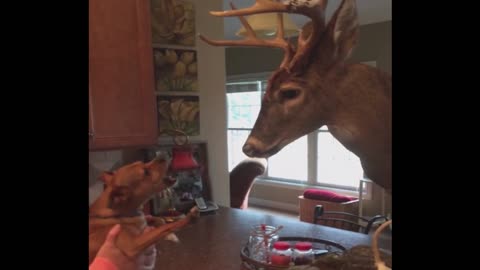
(126, 190)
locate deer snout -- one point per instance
(255, 148)
(249, 150)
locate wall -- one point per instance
(211, 77)
(276, 196)
(374, 45)
(213, 108)
(252, 60)
(286, 198)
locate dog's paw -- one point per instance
(155, 221)
(172, 237)
(194, 212)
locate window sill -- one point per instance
(263, 181)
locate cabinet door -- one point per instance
(121, 79)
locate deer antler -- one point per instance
(310, 8)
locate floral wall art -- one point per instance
(179, 112)
(175, 63)
(173, 22)
(175, 70)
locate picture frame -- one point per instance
(173, 22)
(176, 70)
(180, 113)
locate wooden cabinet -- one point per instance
(122, 104)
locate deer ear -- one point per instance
(343, 30)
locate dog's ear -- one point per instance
(106, 178)
(120, 195)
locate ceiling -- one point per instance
(369, 11)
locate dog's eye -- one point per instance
(146, 172)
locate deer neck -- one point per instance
(362, 118)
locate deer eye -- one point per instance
(289, 94)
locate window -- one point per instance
(332, 164)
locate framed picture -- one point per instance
(175, 70)
(173, 22)
(179, 113)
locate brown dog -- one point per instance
(126, 190)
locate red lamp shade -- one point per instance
(182, 159)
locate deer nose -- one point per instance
(248, 150)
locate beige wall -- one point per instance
(281, 197)
(374, 45)
(211, 77)
(286, 198)
(252, 60)
(213, 108)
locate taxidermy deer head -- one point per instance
(315, 86)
